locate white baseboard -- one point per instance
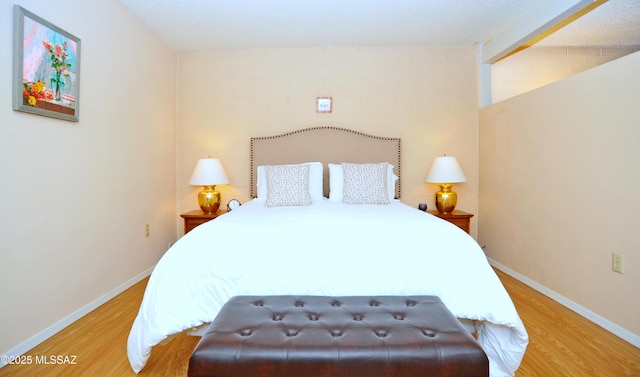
(588, 314)
(45, 334)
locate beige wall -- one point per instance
(538, 66)
(559, 187)
(76, 196)
(425, 95)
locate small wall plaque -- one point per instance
(323, 105)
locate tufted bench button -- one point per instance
(277, 317)
(428, 332)
(246, 332)
(313, 317)
(335, 303)
(381, 333)
(398, 316)
(358, 317)
(336, 333)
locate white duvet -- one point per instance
(331, 249)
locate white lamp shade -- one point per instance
(208, 172)
(445, 169)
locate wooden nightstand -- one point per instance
(196, 217)
(459, 218)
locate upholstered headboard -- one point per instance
(324, 144)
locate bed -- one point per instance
(326, 220)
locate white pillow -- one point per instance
(287, 185)
(365, 183)
(315, 181)
(336, 182)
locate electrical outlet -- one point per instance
(147, 232)
(617, 263)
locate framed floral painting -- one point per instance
(46, 68)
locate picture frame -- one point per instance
(323, 104)
(46, 68)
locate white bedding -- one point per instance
(331, 249)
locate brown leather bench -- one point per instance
(300, 336)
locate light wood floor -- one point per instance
(562, 343)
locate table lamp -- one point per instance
(444, 171)
(208, 173)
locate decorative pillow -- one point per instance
(287, 185)
(365, 183)
(315, 181)
(336, 182)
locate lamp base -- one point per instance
(446, 199)
(209, 199)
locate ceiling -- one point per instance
(190, 25)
